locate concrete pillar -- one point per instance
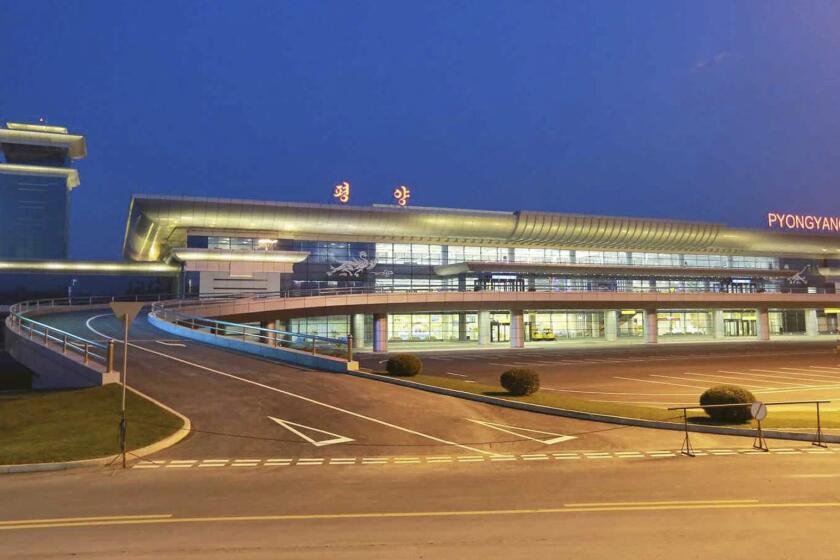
(267, 337)
(380, 332)
(763, 323)
(811, 325)
(517, 329)
(611, 325)
(595, 325)
(357, 329)
(650, 326)
(483, 328)
(462, 327)
(717, 318)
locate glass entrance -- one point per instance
(739, 323)
(499, 332)
(739, 327)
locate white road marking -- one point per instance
(301, 397)
(165, 343)
(650, 454)
(714, 379)
(516, 431)
(317, 443)
(456, 374)
(808, 376)
(657, 382)
(778, 375)
(815, 475)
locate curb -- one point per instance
(554, 411)
(166, 442)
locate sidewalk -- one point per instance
(592, 343)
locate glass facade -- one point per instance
(562, 325)
(432, 327)
(34, 216)
(412, 267)
(683, 323)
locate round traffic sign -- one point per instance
(759, 410)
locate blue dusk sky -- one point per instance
(712, 111)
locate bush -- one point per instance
(727, 394)
(406, 365)
(520, 381)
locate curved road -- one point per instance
(232, 397)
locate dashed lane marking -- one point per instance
(440, 459)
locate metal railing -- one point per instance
(759, 441)
(61, 340)
(340, 347)
(363, 290)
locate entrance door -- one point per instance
(739, 327)
(499, 332)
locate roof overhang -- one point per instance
(156, 224)
(71, 176)
(87, 267)
(608, 270)
(203, 255)
(36, 135)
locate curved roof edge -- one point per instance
(157, 224)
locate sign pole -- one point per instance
(126, 311)
(125, 382)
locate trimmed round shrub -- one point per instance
(520, 381)
(727, 394)
(404, 365)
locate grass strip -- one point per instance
(70, 425)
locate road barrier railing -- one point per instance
(336, 347)
(759, 441)
(60, 340)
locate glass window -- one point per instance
(673, 323)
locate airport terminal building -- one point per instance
(237, 246)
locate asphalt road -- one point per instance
(765, 506)
(231, 399)
(553, 500)
(663, 375)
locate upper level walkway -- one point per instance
(339, 301)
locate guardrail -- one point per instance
(53, 337)
(759, 441)
(316, 345)
(353, 290)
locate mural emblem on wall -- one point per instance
(799, 277)
(354, 268)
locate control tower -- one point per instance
(36, 177)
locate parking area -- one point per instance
(661, 376)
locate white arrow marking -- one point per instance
(515, 430)
(336, 438)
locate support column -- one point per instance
(357, 329)
(762, 323)
(483, 328)
(268, 338)
(717, 318)
(462, 327)
(611, 325)
(811, 325)
(380, 332)
(650, 326)
(517, 328)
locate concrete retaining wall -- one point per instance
(296, 357)
(51, 368)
